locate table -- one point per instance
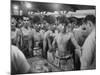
(35, 60)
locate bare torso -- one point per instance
(62, 41)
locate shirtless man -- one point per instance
(42, 32)
(27, 36)
(62, 40)
(14, 32)
(47, 42)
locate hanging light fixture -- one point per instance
(28, 5)
(15, 7)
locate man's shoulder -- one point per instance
(14, 50)
(14, 47)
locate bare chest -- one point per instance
(63, 39)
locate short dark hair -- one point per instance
(63, 19)
(73, 19)
(25, 16)
(90, 18)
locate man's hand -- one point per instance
(78, 51)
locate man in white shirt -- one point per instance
(19, 64)
(88, 58)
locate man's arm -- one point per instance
(54, 44)
(78, 48)
(74, 41)
(44, 46)
(49, 44)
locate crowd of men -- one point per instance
(67, 45)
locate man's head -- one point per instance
(13, 23)
(60, 27)
(20, 22)
(26, 21)
(90, 21)
(73, 21)
(67, 26)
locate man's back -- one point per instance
(19, 63)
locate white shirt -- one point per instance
(88, 52)
(19, 63)
(80, 34)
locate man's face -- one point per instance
(13, 23)
(26, 21)
(70, 27)
(88, 25)
(61, 27)
(74, 23)
(20, 23)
